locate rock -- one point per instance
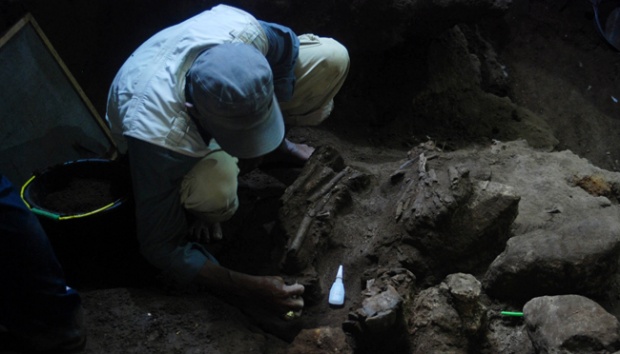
(506, 335)
(579, 258)
(401, 279)
(462, 224)
(547, 182)
(445, 318)
(571, 324)
(465, 290)
(435, 325)
(378, 325)
(382, 310)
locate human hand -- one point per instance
(288, 154)
(297, 151)
(280, 296)
(268, 291)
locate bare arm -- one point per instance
(271, 290)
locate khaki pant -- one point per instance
(209, 190)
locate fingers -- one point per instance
(300, 151)
(293, 300)
(198, 231)
(201, 232)
(284, 297)
(303, 151)
(294, 289)
(294, 303)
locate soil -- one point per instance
(82, 195)
(559, 68)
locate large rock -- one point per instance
(459, 223)
(552, 185)
(446, 318)
(378, 325)
(580, 258)
(571, 324)
(506, 334)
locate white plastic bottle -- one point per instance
(336, 293)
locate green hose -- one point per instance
(45, 213)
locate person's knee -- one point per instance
(217, 203)
(220, 204)
(338, 60)
(209, 190)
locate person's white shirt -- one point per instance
(147, 97)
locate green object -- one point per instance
(511, 313)
(45, 213)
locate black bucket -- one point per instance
(86, 208)
(78, 189)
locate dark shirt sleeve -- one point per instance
(282, 54)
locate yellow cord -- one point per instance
(86, 214)
(23, 189)
(21, 193)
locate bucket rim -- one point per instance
(58, 216)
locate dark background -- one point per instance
(95, 37)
